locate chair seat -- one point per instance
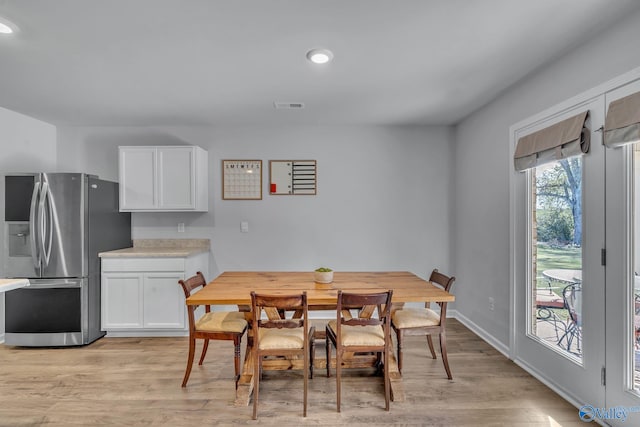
(222, 321)
(415, 318)
(367, 335)
(281, 339)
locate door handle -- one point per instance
(33, 225)
(43, 220)
(49, 225)
(54, 284)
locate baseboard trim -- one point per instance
(490, 339)
(548, 382)
(138, 334)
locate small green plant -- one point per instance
(323, 270)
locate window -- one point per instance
(556, 255)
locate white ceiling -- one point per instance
(213, 62)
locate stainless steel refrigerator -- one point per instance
(55, 225)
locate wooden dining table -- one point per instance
(234, 288)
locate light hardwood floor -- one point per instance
(136, 381)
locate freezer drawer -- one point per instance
(47, 313)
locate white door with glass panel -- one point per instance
(558, 216)
(623, 256)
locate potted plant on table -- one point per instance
(323, 275)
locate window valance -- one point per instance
(564, 139)
(622, 124)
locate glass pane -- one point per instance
(556, 255)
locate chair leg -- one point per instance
(387, 381)
(312, 356)
(379, 362)
(306, 382)
(237, 341)
(565, 336)
(399, 336)
(570, 336)
(328, 348)
(256, 385)
(338, 377)
(205, 346)
(443, 350)
(430, 342)
(192, 350)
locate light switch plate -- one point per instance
(244, 227)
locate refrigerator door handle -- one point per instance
(49, 222)
(33, 225)
(43, 222)
(54, 283)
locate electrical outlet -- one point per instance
(492, 303)
(181, 227)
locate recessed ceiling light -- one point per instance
(7, 27)
(319, 56)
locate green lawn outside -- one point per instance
(558, 257)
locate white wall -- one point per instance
(383, 199)
(481, 188)
(26, 145)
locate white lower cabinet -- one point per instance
(163, 301)
(122, 301)
(142, 297)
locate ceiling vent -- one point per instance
(288, 105)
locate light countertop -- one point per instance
(10, 284)
(160, 248)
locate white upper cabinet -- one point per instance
(138, 183)
(163, 178)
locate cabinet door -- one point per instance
(138, 178)
(121, 301)
(176, 177)
(164, 305)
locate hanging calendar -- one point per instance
(242, 179)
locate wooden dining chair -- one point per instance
(283, 332)
(425, 321)
(220, 325)
(361, 333)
